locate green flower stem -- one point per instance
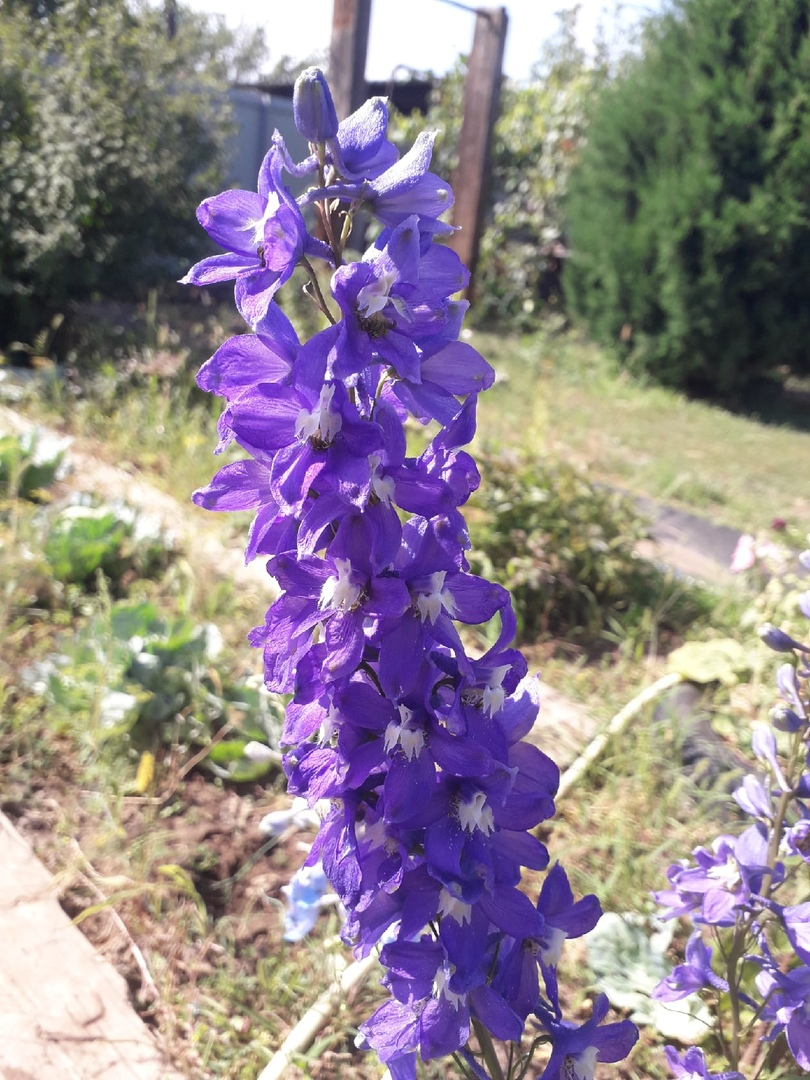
(488, 1050)
(316, 293)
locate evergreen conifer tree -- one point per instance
(689, 214)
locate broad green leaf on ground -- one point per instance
(723, 660)
(627, 954)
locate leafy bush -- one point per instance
(131, 674)
(83, 540)
(28, 466)
(537, 142)
(110, 135)
(689, 214)
(566, 550)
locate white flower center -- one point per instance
(430, 604)
(258, 225)
(340, 591)
(399, 733)
(579, 1066)
(382, 486)
(321, 422)
(451, 908)
(727, 875)
(476, 814)
(440, 988)
(329, 726)
(493, 691)
(552, 950)
(373, 297)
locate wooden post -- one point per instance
(347, 54)
(481, 102)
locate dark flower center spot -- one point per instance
(376, 325)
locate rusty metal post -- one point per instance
(481, 103)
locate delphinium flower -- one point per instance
(738, 894)
(418, 748)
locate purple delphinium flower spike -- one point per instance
(419, 747)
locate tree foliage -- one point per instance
(110, 135)
(690, 214)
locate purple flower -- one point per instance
(786, 997)
(418, 746)
(521, 960)
(692, 1066)
(264, 235)
(577, 1048)
(723, 881)
(691, 976)
(797, 839)
(405, 188)
(754, 798)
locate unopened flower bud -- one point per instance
(778, 640)
(313, 108)
(785, 719)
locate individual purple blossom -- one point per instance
(723, 880)
(407, 187)
(778, 640)
(796, 921)
(797, 839)
(692, 1066)
(264, 236)
(754, 798)
(522, 960)
(577, 1048)
(693, 975)
(360, 150)
(786, 997)
(392, 299)
(763, 746)
(788, 684)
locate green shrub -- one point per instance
(566, 550)
(29, 464)
(689, 214)
(82, 541)
(110, 135)
(131, 678)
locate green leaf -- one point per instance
(628, 958)
(722, 660)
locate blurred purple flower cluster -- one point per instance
(734, 892)
(418, 747)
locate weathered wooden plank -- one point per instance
(64, 1011)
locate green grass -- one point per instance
(564, 398)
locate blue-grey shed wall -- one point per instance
(256, 115)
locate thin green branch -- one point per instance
(488, 1051)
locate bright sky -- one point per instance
(421, 34)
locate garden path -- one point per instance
(64, 1010)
